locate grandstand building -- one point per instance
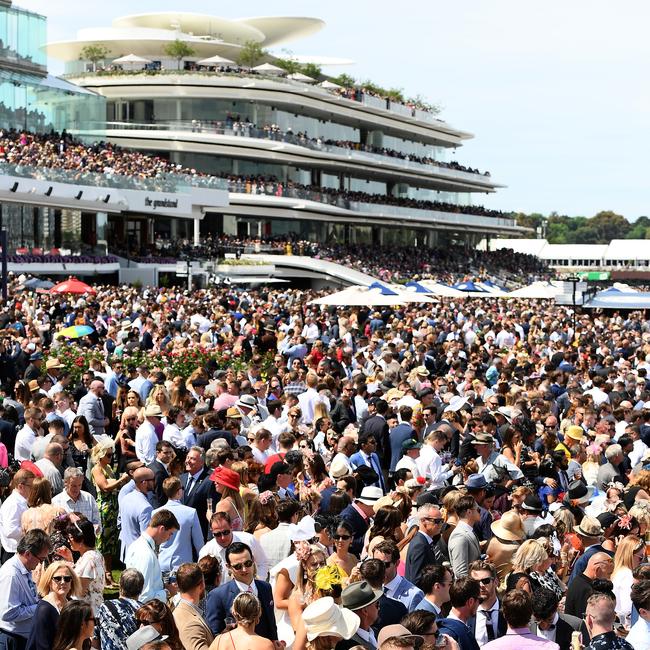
(340, 160)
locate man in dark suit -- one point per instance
(399, 435)
(240, 563)
(343, 412)
(377, 426)
(548, 623)
(391, 611)
(489, 622)
(197, 486)
(358, 515)
(213, 423)
(160, 469)
(421, 549)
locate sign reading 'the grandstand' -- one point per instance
(177, 204)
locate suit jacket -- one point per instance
(398, 435)
(184, 545)
(220, 601)
(359, 526)
(391, 612)
(458, 631)
(425, 605)
(92, 408)
(159, 475)
(463, 550)
(419, 555)
(135, 515)
(357, 460)
(378, 427)
(202, 490)
(564, 627)
(277, 544)
(342, 415)
(502, 625)
(407, 594)
(192, 628)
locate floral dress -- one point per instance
(108, 542)
(91, 565)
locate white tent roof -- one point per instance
(357, 296)
(269, 68)
(216, 60)
(131, 58)
(330, 85)
(299, 76)
(545, 290)
(442, 289)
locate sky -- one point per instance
(555, 93)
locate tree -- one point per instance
(251, 54)
(93, 53)
(289, 65)
(178, 50)
(312, 70)
(345, 80)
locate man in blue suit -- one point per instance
(135, 508)
(241, 566)
(399, 435)
(197, 486)
(367, 456)
(395, 586)
(186, 543)
(464, 595)
(358, 515)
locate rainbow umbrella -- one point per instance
(76, 331)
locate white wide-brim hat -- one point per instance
(325, 618)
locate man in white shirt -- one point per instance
(141, 555)
(74, 499)
(310, 331)
(429, 463)
(145, 436)
(261, 445)
(308, 400)
(275, 423)
(408, 461)
(224, 536)
(50, 465)
(12, 510)
(26, 436)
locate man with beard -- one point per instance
(489, 623)
(194, 632)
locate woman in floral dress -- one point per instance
(107, 489)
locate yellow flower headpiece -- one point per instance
(329, 576)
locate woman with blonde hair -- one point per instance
(57, 585)
(107, 486)
(159, 396)
(304, 592)
(247, 611)
(530, 556)
(629, 554)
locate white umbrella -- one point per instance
(542, 290)
(299, 76)
(443, 290)
(357, 296)
(329, 85)
(131, 58)
(216, 60)
(269, 68)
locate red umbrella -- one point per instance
(72, 285)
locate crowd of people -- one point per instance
(458, 475)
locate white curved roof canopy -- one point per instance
(283, 29)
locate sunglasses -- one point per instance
(343, 537)
(485, 581)
(221, 533)
(65, 579)
(435, 520)
(242, 565)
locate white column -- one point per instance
(197, 231)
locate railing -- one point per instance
(164, 182)
(452, 218)
(249, 131)
(352, 94)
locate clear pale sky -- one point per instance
(556, 93)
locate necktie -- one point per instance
(190, 485)
(489, 626)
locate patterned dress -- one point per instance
(108, 542)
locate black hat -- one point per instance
(366, 475)
(579, 492)
(532, 503)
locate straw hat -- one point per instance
(575, 433)
(153, 411)
(52, 364)
(589, 527)
(509, 527)
(339, 468)
(325, 618)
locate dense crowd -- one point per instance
(104, 160)
(264, 471)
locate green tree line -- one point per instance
(599, 229)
